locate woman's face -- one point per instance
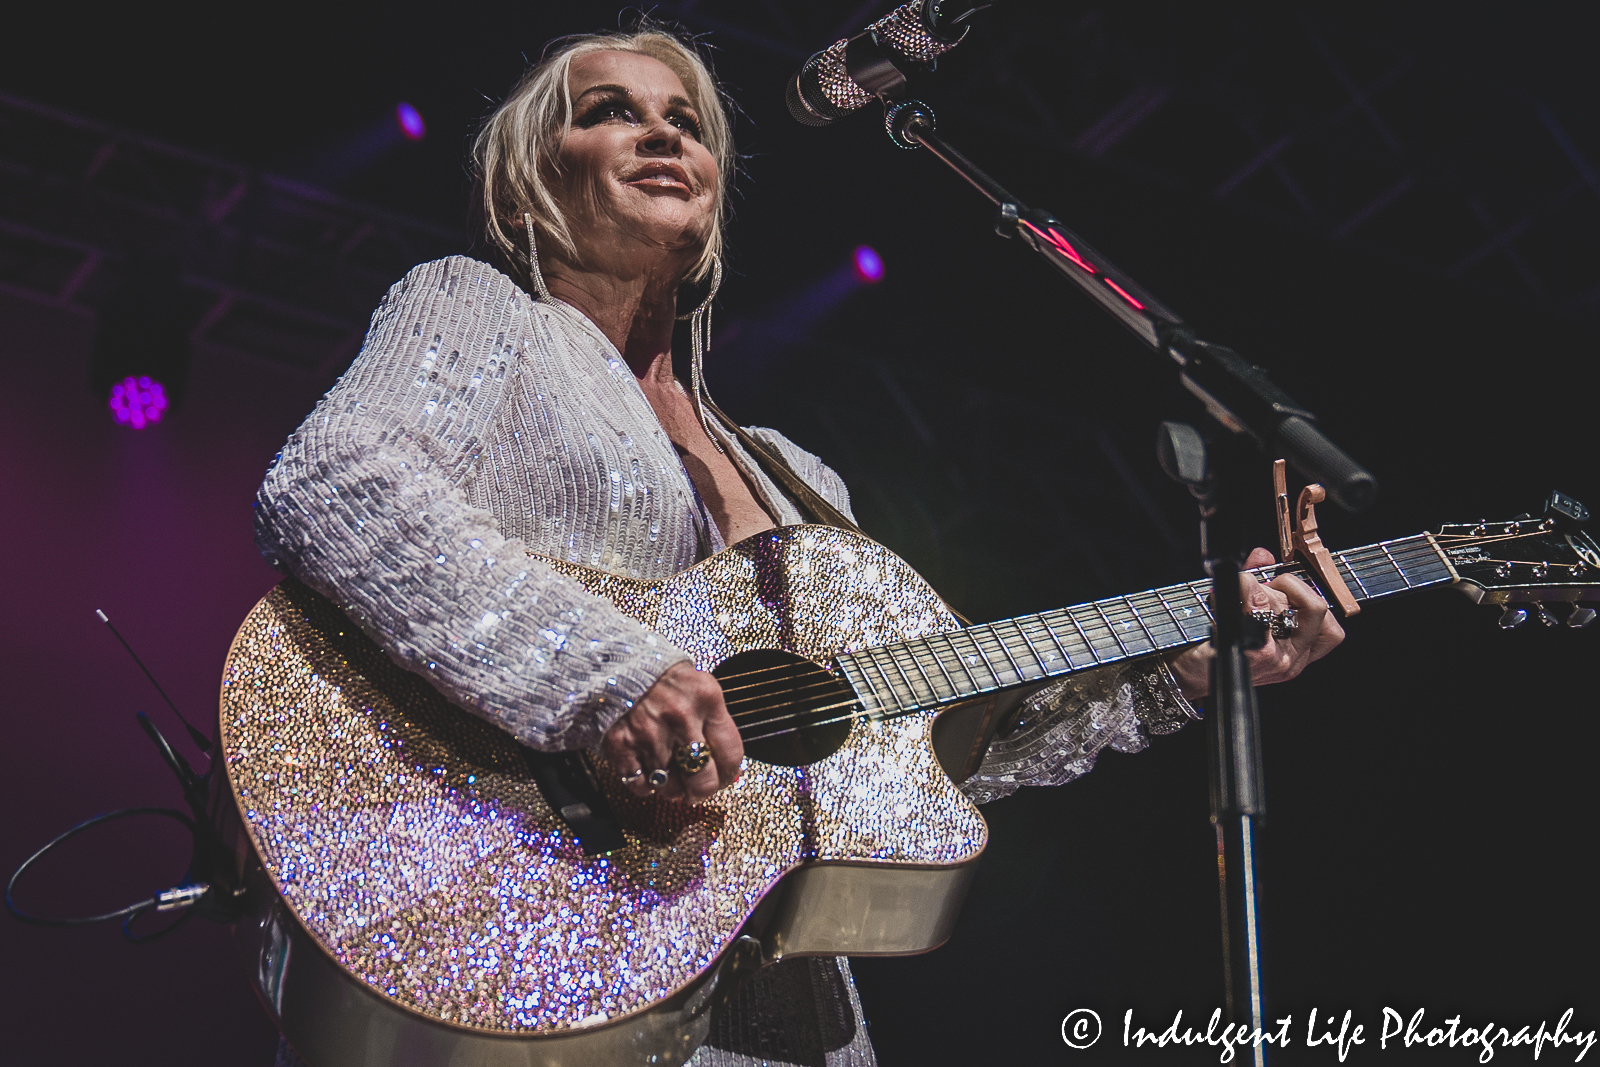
(634, 174)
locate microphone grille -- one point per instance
(904, 30)
(794, 96)
(822, 92)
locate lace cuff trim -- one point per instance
(1065, 726)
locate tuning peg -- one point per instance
(1544, 615)
(1580, 617)
(1513, 617)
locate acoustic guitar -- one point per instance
(424, 890)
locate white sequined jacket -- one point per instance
(478, 424)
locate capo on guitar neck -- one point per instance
(1298, 536)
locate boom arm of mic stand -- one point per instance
(1236, 393)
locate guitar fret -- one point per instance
(1422, 556)
(1415, 562)
(1352, 575)
(1190, 616)
(1182, 630)
(938, 661)
(1381, 576)
(1126, 603)
(1395, 564)
(1044, 663)
(977, 657)
(1016, 671)
(1053, 629)
(911, 689)
(1145, 625)
(960, 662)
(1342, 568)
(1109, 627)
(859, 679)
(1072, 616)
(1044, 628)
(883, 698)
(894, 691)
(1037, 667)
(917, 673)
(1152, 625)
(1055, 639)
(1095, 625)
(895, 653)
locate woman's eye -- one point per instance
(686, 124)
(605, 112)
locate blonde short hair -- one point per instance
(514, 156)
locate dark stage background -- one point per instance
(1431, 795)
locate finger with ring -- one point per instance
(1280, 623)
(658, 777)
(633, 776)
(691, 757)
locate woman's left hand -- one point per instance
(1281, 658)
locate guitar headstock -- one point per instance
(1534, 566)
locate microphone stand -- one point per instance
(1249, 416)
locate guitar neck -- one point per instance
(953, 666)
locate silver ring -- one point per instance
(658, 777)
(634, 776)
(1280, 623)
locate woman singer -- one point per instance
(531, 405)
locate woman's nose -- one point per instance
(662, 138)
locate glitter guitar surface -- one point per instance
(420, 895)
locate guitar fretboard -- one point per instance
(944, 668)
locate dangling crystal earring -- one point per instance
(535, 275)
(699, 345)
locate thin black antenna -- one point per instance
(201, 740)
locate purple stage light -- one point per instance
(410, 120)
(869, 265)
(138, 402)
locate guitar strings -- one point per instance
(1414, 551)
(764, 670)
(987, 640)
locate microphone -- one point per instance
(849, 74)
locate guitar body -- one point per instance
(416, 898)
(425, 891)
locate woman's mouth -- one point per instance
(664, 176)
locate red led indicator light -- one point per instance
(1061, 244)
(1124, 294)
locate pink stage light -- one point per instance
(869, 265)
(138, 402)
(410, 120)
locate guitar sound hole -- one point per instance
(790, 711)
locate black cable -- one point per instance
(139, 939)
(129, 913)
(201, 740)
(207, 885)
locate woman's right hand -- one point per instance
(685, 705)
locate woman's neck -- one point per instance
(636, 312)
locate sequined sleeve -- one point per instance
(815, 473)
(366, 504)
(1065, 726)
